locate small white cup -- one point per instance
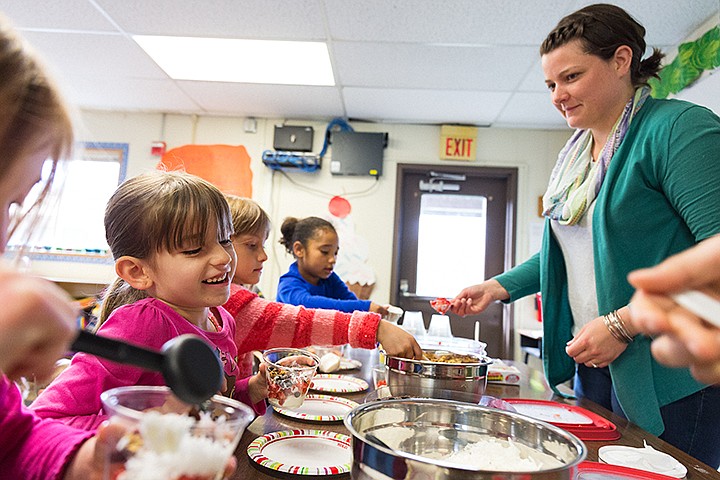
(440, 326)
(414, 324)
(394, 314)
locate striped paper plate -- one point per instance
(320, 408)
(327, 382)
(303, 452)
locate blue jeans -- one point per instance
(692, 424)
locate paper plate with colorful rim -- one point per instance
(327, 382)
(303, 452)
(320, 408)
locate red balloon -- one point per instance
(339, 206)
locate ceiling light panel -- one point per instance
(242, 61)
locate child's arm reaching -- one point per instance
(397, 342)
(382, 310)
(263, 324)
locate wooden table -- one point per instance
(532, 386)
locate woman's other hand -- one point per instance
(397, 342)
(594, 346)
(475, 299)
(37, 325)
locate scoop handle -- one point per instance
(701, 304)
(118, 351)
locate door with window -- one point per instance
(454, 227)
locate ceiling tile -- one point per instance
(525, 110)
(280, 101)
(129, 94)
(95, 55)
(273, 19)
(423, 106)
(489, 22)
(79, 15)
(400, 65)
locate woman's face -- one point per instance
(317, 260)
(588, 91)
(15, 184)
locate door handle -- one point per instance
(404, 290)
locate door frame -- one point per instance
(510, 174)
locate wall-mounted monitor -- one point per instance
(357, 153)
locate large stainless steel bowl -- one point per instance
(469, 378)
(409, 439)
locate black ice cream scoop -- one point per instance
(190, 366)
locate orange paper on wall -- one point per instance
(225, 166)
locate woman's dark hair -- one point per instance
(294, 230)
(602, 28)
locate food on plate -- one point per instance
(329, 363)
(440, 305)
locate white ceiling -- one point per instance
(408, 61)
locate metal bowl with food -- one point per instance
(451, 440)
(440, 370)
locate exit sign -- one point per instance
(458, 143)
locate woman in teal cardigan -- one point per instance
(638, 181)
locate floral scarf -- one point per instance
(576, 180)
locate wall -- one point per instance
(533, 152)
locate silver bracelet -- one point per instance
(623, 328)
(616, 326)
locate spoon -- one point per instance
(190, 366)
(701, 304)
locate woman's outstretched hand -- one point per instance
(476, 298)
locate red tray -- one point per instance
(595, 436)
(598, 423)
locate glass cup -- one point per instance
(440, 326)
(171, 438)
(289, 373)
(379, 375)
(414, 324)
